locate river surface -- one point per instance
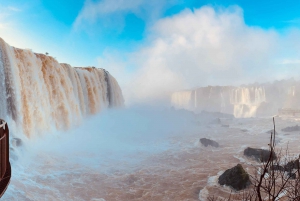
(139, 155)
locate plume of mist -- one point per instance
(206, 46)
(112, 136)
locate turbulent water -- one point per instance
(38, 94)
(244, 101)
(140, 154)
(42, 99)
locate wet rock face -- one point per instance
(235, 177)
(16, 142)
(277, 167)
(291, 128)
(207, 142)
(292, 165)
(288, 167)
(272, 131)
(291, 175)
(260, 155)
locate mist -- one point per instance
(115, 141)
(115, 134)
(200, 85)
(200, 47)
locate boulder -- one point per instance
(291, 165)
(269, 131)
(277, 167)
(226, 126)
(260, 155)
(17, 142)
(236, 177)
(291, 175)
(291, 128)
(206, 142)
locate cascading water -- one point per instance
(239, 101)
(182, 100)
(38, 94)
(247, 100)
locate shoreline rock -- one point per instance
(260, 155)
(291, 128)
(207, 142)
(236, 177)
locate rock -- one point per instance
(291, 175)
(291, 165)
(235, 177)
(260, 155)
(291, 128)
(269, 131)
(17, 142)
(277, 167)
(207, 142)
(244, 130)
(227, 126)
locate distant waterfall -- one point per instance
(239, 101)
(39, 94)
(246, 100)
(182, 99)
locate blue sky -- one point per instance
(117, 34)
(51, 22)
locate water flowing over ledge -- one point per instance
(38, 94)
(243, 101)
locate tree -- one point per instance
(277, 178)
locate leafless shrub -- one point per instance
(273, 180)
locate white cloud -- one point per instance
(207, 46)
(117, 9)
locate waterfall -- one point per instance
(239, 101)
(182, 99)
(38, 94)
(246, 100)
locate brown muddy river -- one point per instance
(178, 171)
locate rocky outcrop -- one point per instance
(291, 128)
(260, 155)
(207, 142)
(236, 177)
(277, 167)
(271, 131)
(291, 175)
(292, 165)
(288, 168)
